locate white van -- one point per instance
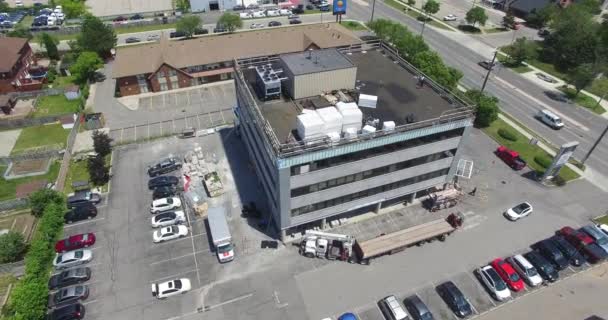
(550, 119)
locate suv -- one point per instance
(163, 192)
(492, 280)
(454, 298)
(164, 166)
(68, 295)
(69, 277)
(598, 235)
(549, 250)
(544, 267)
(82, 212)
(392, 309)
(69, 312)
(83, 197)
(162, 181)
(525, 269)
(417, 309)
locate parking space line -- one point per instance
(81, 223)
(245, 296)
(198, 275)
(173, 276)
(479, 286)
(180, 257)
(88, 302)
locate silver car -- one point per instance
(600, 238)
(72, 258)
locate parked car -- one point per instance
(544, 267)
(603, 227)
(176, 34)
(258, 14)
(545, 77)
(164, 166)
(169, 233)
(272, 13)
(525, 269)
(573, 255)
(295, 21)
(519, 211)
(284, 12)
(199, 31)
(454, 298)
(274, 24)
(391, 308)
(598, 236)
(162, 181)
(68, 295)
(167, 289)
(577, 238)
(508, 274)
(551, 252)
(136, 16)
(168, 218)
(80, 213)
(246, 15)
(298, 10)
(120, 19)
(417, 309)
(256, 26)
(219, 29)
(153, 37)
(510, 157)
(72, 258)
(494, 283)
(165, 204)
(69, 277)
(238, 8)
(293, 16)
(450, 17)
(77, 241)
(74, 311)
(132, 40)
(84, 197)
(163, 192)
(594, 253)
(487, 64)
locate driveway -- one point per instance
(7, 141)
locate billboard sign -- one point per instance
(339, 7)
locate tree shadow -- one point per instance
(469, 28)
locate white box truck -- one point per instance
(220, 234)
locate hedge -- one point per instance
(507, 134)
(543, 160)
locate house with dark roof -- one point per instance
(522, 8)
(172, 64)
(17, 66)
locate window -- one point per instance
(160, 75)
(163, 87)
(224, 76)
(141, 77)
(174, 84)
(172, 73)
(143, 88)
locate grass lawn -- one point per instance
(8, 187)
(602, 220)
(62, 82)
(504, 60)
(313, 11)
(54, 105)
(78, 172)
(40, 136)
(546, 67)
(583, 100)
(414, 14)
(65, 36)
(525, 149)
(599, 87)
(495, 30)
(353, 25)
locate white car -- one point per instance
(168, 218)
(18, 3)
(259, 14)
(450, 17)
(72, 258)
(603, 227)
(284, 12)
(525, 269)
(164, 204)
(256, 26)
(170, 288)
(153, 37)
(169, 233)
(272, 13)
(519, 211)
(246, 15)
(497, 287)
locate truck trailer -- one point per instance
(220, 234)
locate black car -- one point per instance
(298, 10)
(132, 40)
(544, 267)
(69, 277)
(594, 253)
(549, 250)
(454, 298)
(295, 21)
(219, 29)
(164, 166)
(199, 31)
(68, 295)
(120, 18)
(162, 181)
(487, 64)
(83, 197)
(82, 212)
(309, 7)
(163, 192)
(177, 34)
(136, 17)
(274, 24)
(572, 254)
(74, 311)
(417, 309)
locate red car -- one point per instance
(508, 274)
(75, 242)
(511, 158)
(577, 238)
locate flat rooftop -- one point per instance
(399, 96)
(316, 61)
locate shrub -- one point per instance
(543, 161)
(29, 299)
(559, 181)
(12, 245)
(41, 198)
(507, 134)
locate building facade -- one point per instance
(16, 64)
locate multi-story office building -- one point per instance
(406, 142)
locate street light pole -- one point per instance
(594, 145)
(373, 9)
(485, 81)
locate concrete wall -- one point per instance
(313, 84)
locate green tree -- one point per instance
(476, 15)
(581, 76)
(73, 8)
(411, 2)
(40, 199)
(523, 49)
(12, 245)
(20, 31)
(410, 45)
(430, 7)
(387, 29)
(102, 143)
(50, 44)
(508, 21)
(99, 174)
(29, 299)
(84, 67)
(591, 6)
(188, 25)
(430, 64)
(486, 108)
(540, 18)
(96, 36)
(230, 21)
(182, 5)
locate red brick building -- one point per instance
(16, 62)
(173, 64)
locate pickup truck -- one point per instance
(511, 158)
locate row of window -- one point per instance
(367, 193)
(371, 173)
(212, 66)
(374, 152)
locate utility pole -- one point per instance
(594, 145)
(373, 9)
(483, 87)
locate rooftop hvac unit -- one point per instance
(332, 119)
(268, 82)
(352, 118)
(350, 133)
(368, 129)
(310, 125)
(388, 125)
(334, 136)
(368, 101)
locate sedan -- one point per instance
(165, 204)
(170, 288)
(519, 211)
(577, 238)
(153, 37)
(544, 267)
(274, 24)
(68, 295)
(256, 26)
(74, 242)
(508, 274)
(120, 19)
(72, 258)
(163, 192)
(450, 17)
(455, 299)
(169, 218)
(69, 277)
(295, 21)
(136, 17)
(132, 40)
(487, 64)
(570, 252)
(162, 181)
(293, 16)
(545, 77)
(169, 233)
(494, 284)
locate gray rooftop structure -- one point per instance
(315, 61)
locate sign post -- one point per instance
(560, 159)
(339, 8)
